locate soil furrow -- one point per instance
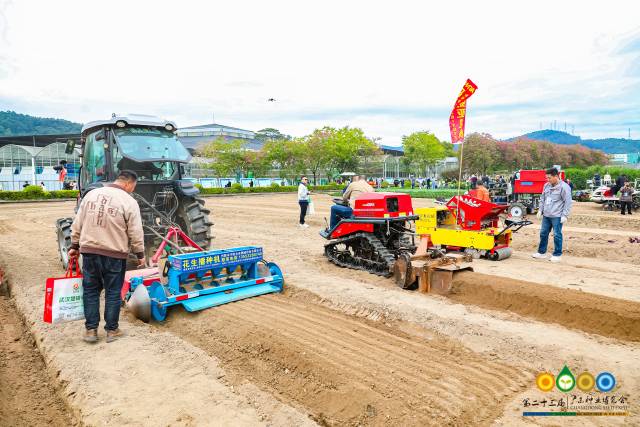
(368, 361)
(409, 357)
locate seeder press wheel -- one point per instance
(158, 294)
(143, 303)
(500, 254)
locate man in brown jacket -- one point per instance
(358, 186)
(107, 225)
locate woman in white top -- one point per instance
(303, 200)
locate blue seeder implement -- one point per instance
(205, 279)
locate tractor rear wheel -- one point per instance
(193, 218)
(63, 231)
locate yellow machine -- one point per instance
(467, 223)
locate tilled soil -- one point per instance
(28, 396)
(347, 371)
(591, 215)
(610, 317)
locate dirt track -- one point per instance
(346, 347)
(27, 395)
(347, 371)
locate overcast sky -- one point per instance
(389, 67)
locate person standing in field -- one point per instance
(107, 226)
(555, 206)
(626, 198)
(303, 200)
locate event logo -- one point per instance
(585, 395)
(565, 381)
(76, 287)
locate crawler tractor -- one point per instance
(375, 235)
(148, 146)
(378, 239)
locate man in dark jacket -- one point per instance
(626, 198)
(619, 184)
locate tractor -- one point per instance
(147, 145)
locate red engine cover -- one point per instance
(382, 205)
(351, 227)
(532, 181)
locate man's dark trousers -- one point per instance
(102, 272)
(337, 213)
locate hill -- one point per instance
(14, 124)
(608, 145)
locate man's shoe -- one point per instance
(539, 255)
(305, 225)
(90, 335)
(555, 258)
(114, 335)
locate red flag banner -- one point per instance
(456, 119)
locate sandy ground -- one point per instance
(343, 347)
(28, 396)
(131, 381)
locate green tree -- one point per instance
(423, 149)
(316, 156)
(270, 134)
(287, 156)
(346, 147)
(228, 157)
(480, 154)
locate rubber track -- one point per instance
(380, 249)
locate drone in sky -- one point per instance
(271, 100)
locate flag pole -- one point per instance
(460, 172)
(459, 184)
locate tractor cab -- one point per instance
(144, 144)
(148, 146)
